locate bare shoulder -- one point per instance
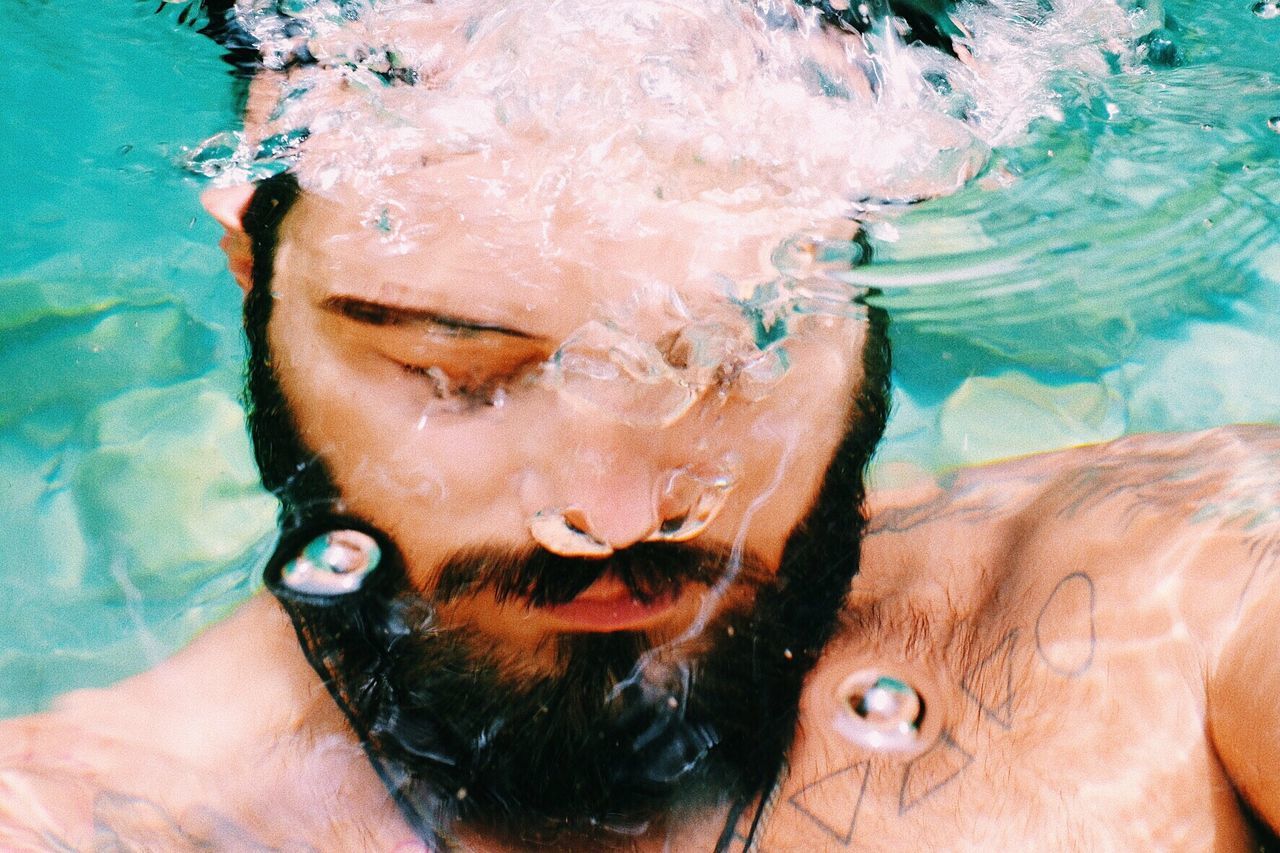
(65, 786)
(221, 747)
(68, 784)
(1187, 524)
(49, 771)
(1201, 510)
(1173, 473)
(1227, 475)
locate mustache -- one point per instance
(649, 570)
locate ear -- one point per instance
(227, 206)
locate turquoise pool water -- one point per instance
(1116, 271)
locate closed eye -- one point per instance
(476, 390)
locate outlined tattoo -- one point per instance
(1176, 491)
(1066, 630)
(128, 822)
(931, 771)
(832, 803)
(1264, 556)
(960, 500)
(989, 683)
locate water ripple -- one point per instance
(1145, 206)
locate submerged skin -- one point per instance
(1089, 632)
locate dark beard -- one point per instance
(621, 732)
(618, 733)
(597, 747)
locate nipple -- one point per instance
(333, 563)
(879, 711)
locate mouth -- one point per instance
(609, 605)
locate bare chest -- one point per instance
(1060, 727)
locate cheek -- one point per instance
(443, 482)
(433, 479)
(788, 442)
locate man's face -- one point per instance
(428, 355)
(620, 459)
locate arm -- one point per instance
(1244, 699)
(1243, 696)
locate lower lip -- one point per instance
(614, 613)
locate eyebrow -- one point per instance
(373, 313)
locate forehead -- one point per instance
(473, 234)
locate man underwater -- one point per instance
(568, 405)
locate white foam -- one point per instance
(730, 103)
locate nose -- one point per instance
(614, 512)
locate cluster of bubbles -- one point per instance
(740, 102)
(742, 355)
(1267, 9)
(736, 105)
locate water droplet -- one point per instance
(215, 155)
(1267, 9)
(565, 531)
(804, 255)
(1273, 124)
(333, 563)
(690, 500)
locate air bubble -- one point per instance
(215, 155)
(689, 501)
(1267, 9)
(1273, 124)
(611, 370)
(564, 531)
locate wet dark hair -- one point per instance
(217, 20)
(287, 468)
(927, 22)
